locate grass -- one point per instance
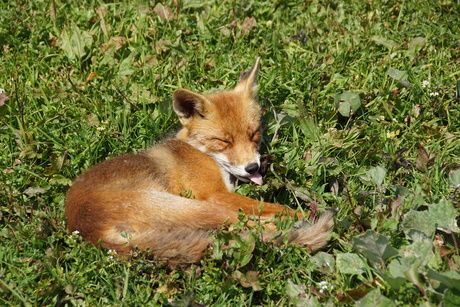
(362, 115)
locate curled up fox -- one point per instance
(134, 200)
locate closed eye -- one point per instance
(223, 141)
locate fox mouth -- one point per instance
(238, 172)
(256, 178)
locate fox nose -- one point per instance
(252, 168)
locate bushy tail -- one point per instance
(312, 236)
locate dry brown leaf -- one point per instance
(3, 97)
(248, 24)
(114, 44)
(424, 158)
(164, 12)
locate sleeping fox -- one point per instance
(136, 200)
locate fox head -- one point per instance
(225, 125)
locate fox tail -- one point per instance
(312, 236)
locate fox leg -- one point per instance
(254, 208)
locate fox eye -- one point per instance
(222, 141)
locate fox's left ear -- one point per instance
(248, 83)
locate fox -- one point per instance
(137, 201)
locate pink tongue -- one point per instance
(256, 178)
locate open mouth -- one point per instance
(256, 178)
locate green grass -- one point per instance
(391, 166)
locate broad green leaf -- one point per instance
(418, 220)
(325, 262)
(394, 282)
(450, 279)
(74, 40)
(298, 296)
(406, 267)
(398, 266)
(421, 248)
(374, 246)
(417, 42)
(413, 260)
(126, 66)
(347, 103)
(309, 128)
(454, 179)
(400, 76)
(444, 215)
(451, 298)
(377, 175)
(415, 45)
(413, 274)
(350, 263)
(375, 298)
(243, 250)
(397, 74)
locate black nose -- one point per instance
(252, 168)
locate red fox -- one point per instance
(134, 200)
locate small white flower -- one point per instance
(111, 253)
(324, 285)
(100, 128)
(425, 83)
(2, 90)
(434, 94)
(76, 232)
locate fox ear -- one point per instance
(248, 83)
(187, 104)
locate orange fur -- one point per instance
(135, 200)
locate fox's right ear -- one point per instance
(187, 104)
(248, 83)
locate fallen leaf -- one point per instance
(424, 158)
(113, 45)
(416, 110)
(164, 12)
(385, 42)
(415, 44)
(250, 279)
(32, 191)
(248, 24)
(395, 204)
(160, 45)
(91, 76)
(3, 97)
